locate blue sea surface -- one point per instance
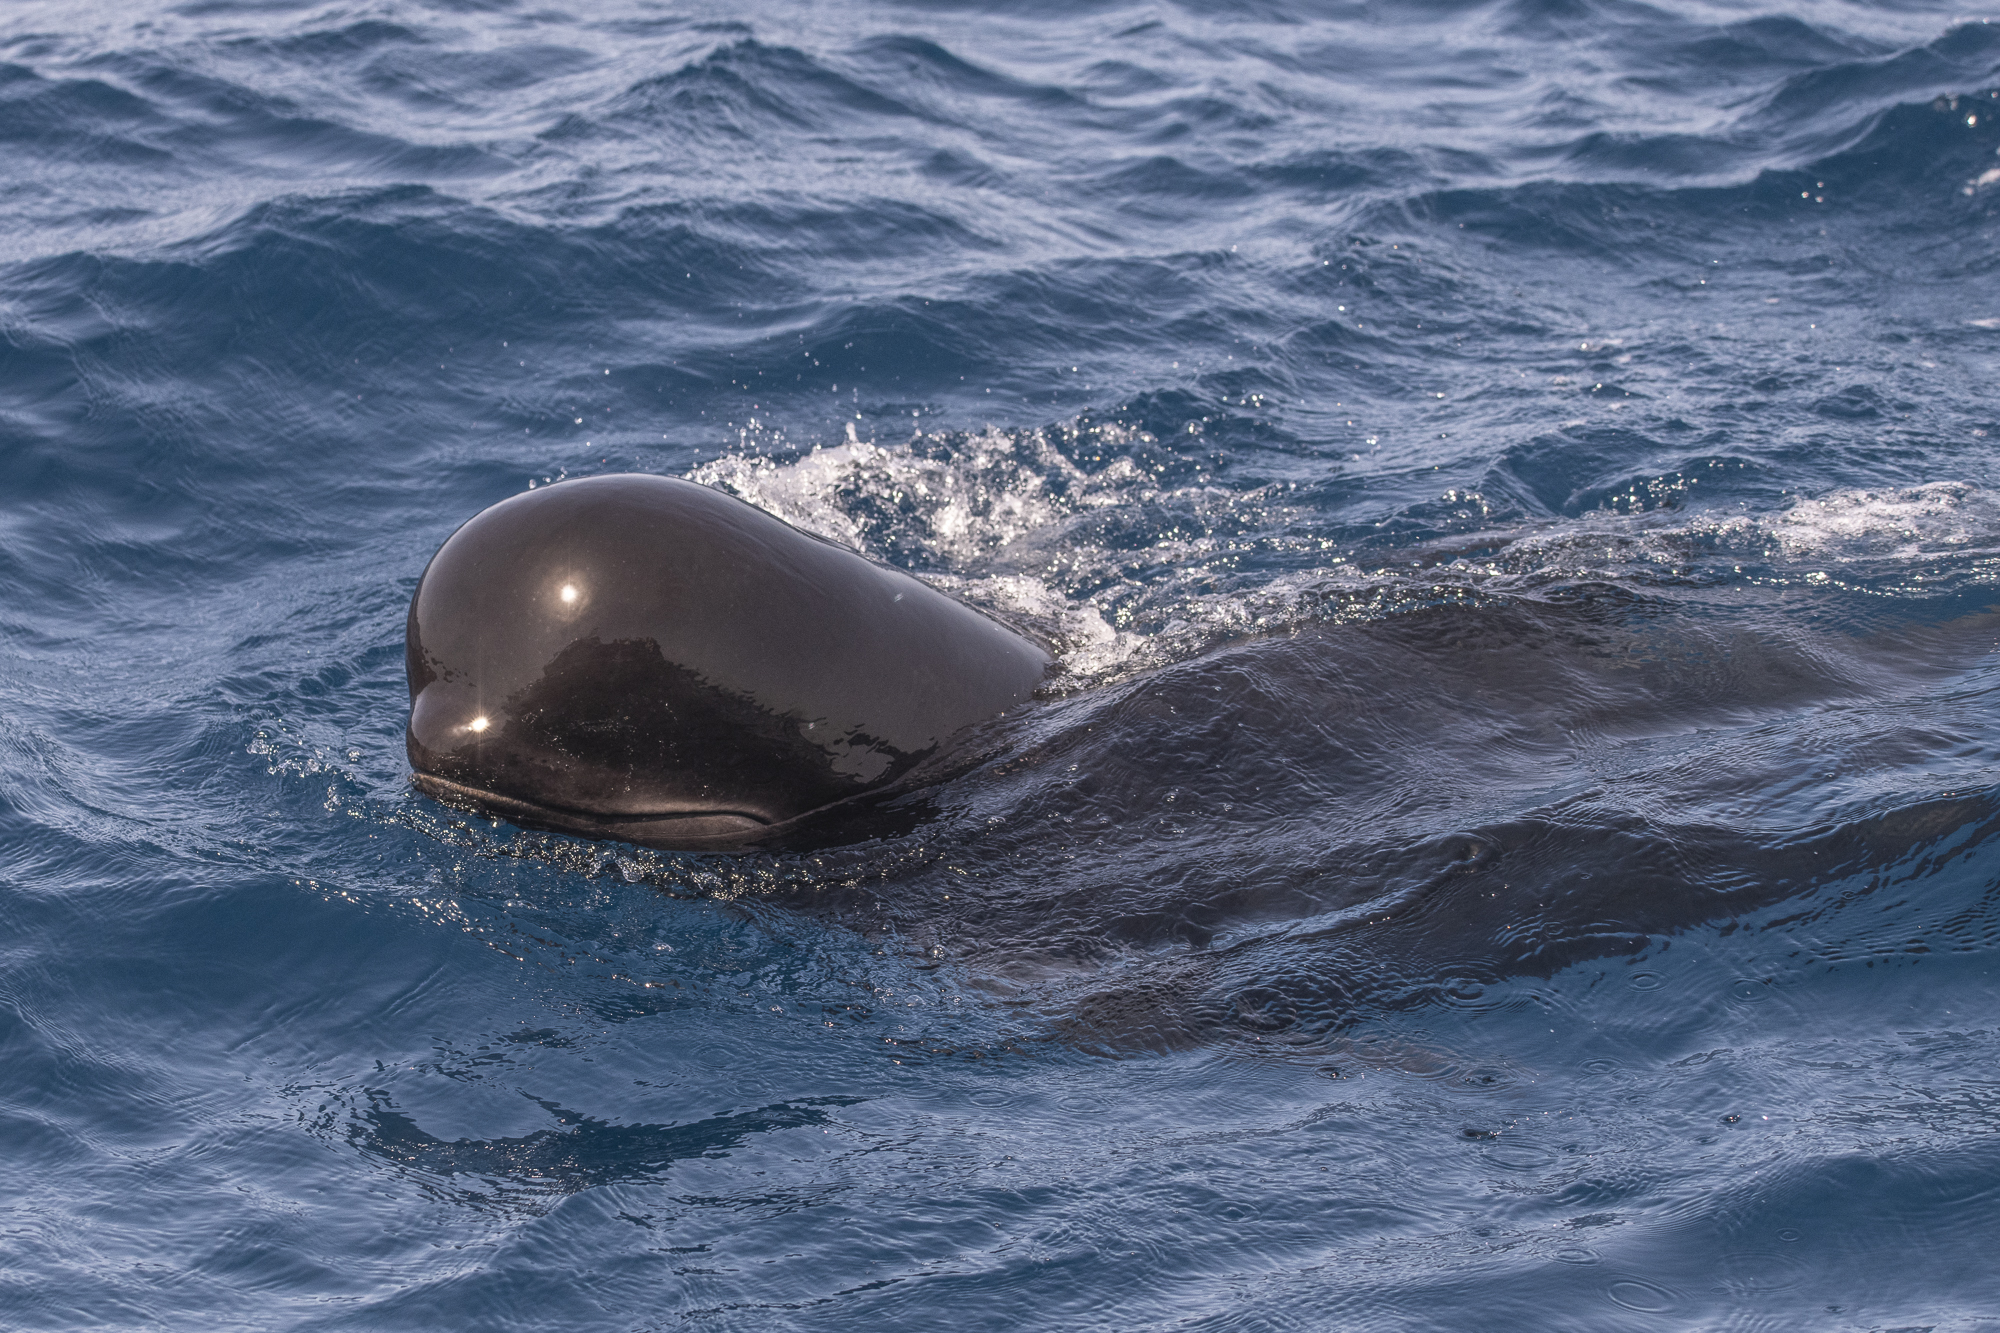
(1513, 843)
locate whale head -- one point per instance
(645, 658)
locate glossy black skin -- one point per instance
(645, 658)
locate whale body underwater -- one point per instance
(1393, 808)
(648, 659)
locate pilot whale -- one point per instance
(648, 659)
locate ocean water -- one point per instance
(1514, 842)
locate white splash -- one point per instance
(996, 518)
(994, 488)
(1897, 524)
(1005, 520)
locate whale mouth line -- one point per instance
(670, 830)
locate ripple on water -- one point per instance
(1641, 1296)
(1482, 1078)
(1465, 990)
(1519, 1157)
(1748, 991)
(1760, 1270)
